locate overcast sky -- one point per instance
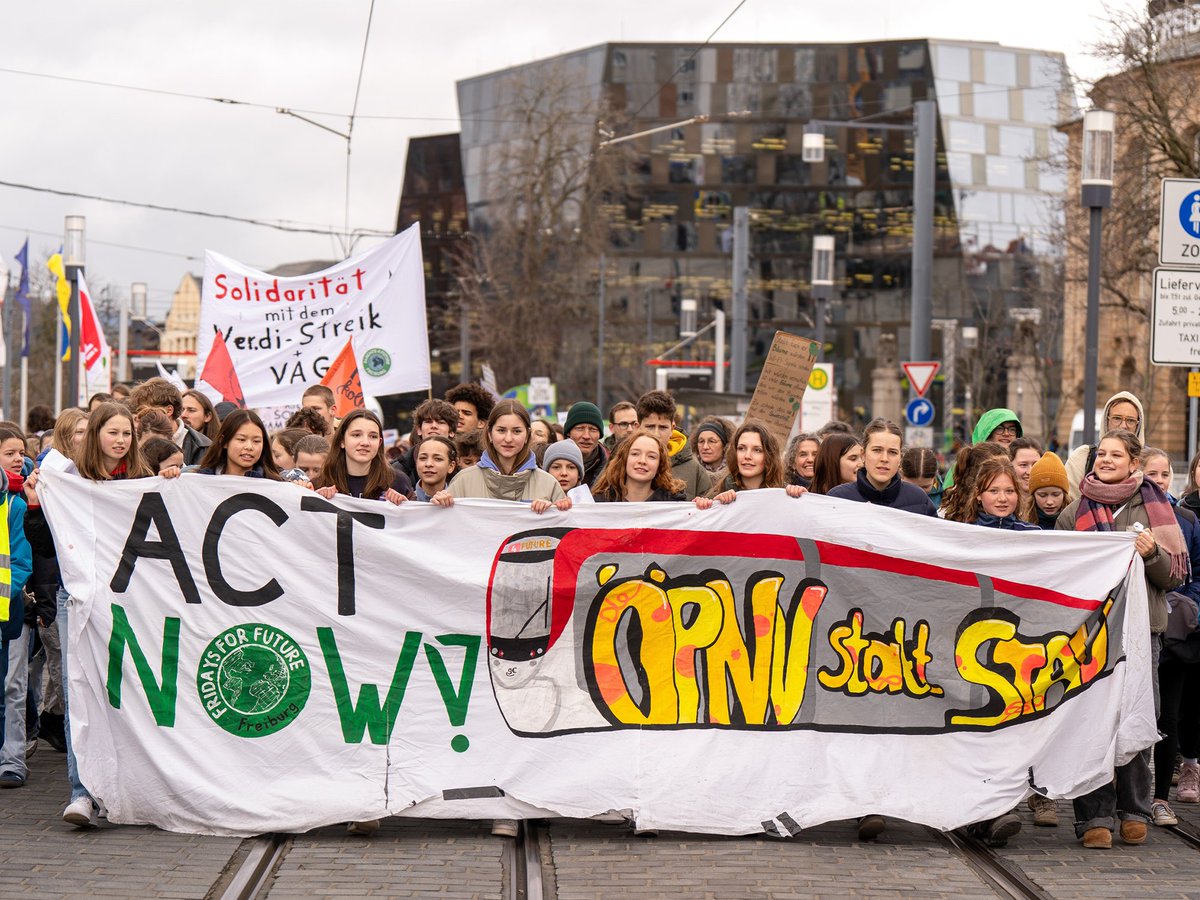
(304, 54)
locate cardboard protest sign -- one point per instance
(780, 389)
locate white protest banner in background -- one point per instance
(282, 333)
(248, 657)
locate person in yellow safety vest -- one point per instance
(16, 565)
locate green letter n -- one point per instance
(161, 698)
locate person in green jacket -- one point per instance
(999, 425)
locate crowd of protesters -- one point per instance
(470, 445)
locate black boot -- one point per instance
(52, 731)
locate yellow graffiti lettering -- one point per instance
(739, 667)
(688, 660)
(1021, 671)
(793, 641)
(648, 605)
(696, 617)
(873, 664)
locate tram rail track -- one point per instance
(1002, 876)
(248, 874)
(247, 881)
(525, 866)
(1186, 832)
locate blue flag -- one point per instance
(23, 292)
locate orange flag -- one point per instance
(342, 378)
(220, 373)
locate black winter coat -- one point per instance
(898, 494)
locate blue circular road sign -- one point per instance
(919, 412)
(1189, 213)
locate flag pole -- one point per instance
(25, 316)
(6, 384)
(24, 390)
(58, 354)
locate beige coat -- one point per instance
(1158, 566)
(532, 484)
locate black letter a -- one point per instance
(152, 510)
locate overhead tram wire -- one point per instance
(362, 64)
(91, 240)
(278, 225)
(683, 65)
(275, 107)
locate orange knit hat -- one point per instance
(1049, 471)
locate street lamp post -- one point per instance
(1096, 179)
(822, 283)
(136, 307)
(924, 131)
(73, 260)
(59, 349)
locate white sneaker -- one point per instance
(1162, 814)
(365, 827)
(81, 813)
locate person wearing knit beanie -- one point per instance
(1048, 471)
(585, 426)
(566, 452)
(583, 413)
(1049, 490)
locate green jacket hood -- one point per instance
(990, 421)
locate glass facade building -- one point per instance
(433, 195)
(998, 192)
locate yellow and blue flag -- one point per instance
(63, 288)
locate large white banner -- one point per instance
(282, 333)
(247, 657)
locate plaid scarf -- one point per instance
(1095, 513)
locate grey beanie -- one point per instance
(567, 450)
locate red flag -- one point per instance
(342, 378)
(220, 373)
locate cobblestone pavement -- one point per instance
(42, 857)
(1164, 866)
(405, 858)
(607, 861)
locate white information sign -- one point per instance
(1179, 222)
(816, 406)
(541, 392)
(918, 436)
(1175, 318)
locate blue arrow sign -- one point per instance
(919, 412)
